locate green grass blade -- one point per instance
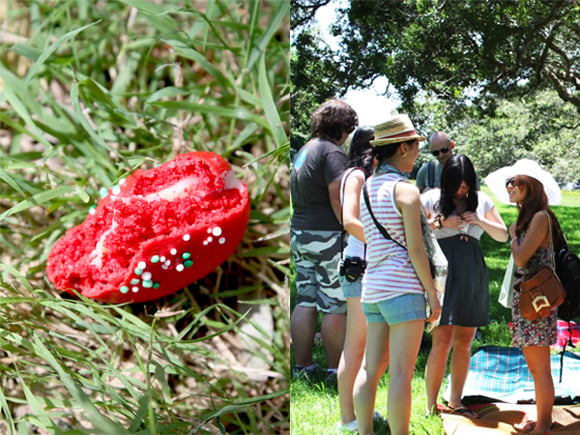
(50, 50)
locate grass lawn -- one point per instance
(314, 406)
(91, 91)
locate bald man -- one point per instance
(429, 175)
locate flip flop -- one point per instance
(436, 410)
(527, 426)
(462, 410)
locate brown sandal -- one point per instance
(462, 410)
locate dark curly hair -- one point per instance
(359, 153)
(332, 119)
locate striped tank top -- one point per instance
(389, 272)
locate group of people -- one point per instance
(357, 243)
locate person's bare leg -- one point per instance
(538, 360)
(375, 362)
(437, 363)
(333, 330)
(459, 365)
(404, 343)
(351, 357)
(302, 330)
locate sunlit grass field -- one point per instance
(314, 406)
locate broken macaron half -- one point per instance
(155, 232)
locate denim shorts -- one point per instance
(351, 289)
(401, 309)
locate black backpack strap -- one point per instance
(563, 352)
(431, 174)
(381, 228)
(568, 342)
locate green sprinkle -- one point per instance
(147, 284)
(124, 289)
(134, 281)
(156, 285)
(138, 271)
(188, 263)
(103, 192)
(185, 255)
(155, 259)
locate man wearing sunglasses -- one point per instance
(429, 175)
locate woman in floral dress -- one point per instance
(531, 249)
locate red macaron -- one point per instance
(155, 232)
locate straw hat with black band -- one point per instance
(396, 130)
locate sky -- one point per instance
(371, 107)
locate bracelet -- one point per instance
(513, 240)
(437, 222)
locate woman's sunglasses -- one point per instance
(512, 181)
(443, 150)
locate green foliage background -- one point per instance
(89, 92)
(499, 76)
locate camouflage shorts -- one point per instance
(316, 255)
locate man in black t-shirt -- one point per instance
(315, 233)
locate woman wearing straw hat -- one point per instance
(397, 279)
(460, 214)
(532, 190)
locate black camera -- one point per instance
(352, 268)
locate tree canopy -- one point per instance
(471, 51)
(314, 68)
(536, 127)
(502, 77)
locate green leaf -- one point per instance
(270, 107)
(37, 199)
(34, 69)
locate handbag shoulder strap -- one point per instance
(551, 241)
(381, 228)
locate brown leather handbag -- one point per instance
(540, 294)
(543, 291)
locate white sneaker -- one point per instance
(348, 427)
(378, 417)
(353, 427)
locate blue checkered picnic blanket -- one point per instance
(501, 373)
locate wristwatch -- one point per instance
(437, 222)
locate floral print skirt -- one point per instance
(540, 332)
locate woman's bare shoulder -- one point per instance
(407, 193)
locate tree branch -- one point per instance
(559, 87)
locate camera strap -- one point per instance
(381, 228)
